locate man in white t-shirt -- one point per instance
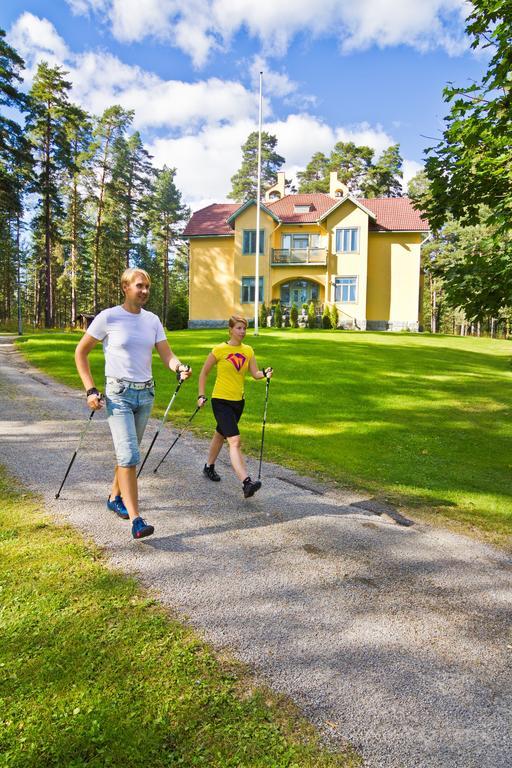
(128, 333)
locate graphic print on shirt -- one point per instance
(237, 359)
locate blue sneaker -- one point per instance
(118, 507)
(140, 528)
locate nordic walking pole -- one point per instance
(171, 401)
(180, 434)
(82, 435)
(267, 386)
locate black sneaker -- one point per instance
(250, 487)
(209, 471)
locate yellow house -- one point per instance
(363, 255)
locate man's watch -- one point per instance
(92, 391)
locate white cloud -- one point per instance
(206, 160)
(198, 27)
(410, 169)
(101, 79)
(275, 83)
(37, 40)
(206, 121)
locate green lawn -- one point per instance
(93, 673)
(421, 420)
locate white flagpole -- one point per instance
(258, 212)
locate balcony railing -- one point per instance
(313, 256)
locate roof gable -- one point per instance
(247, 205)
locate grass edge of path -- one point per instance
(69, 622)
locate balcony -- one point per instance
(300, 256)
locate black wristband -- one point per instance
(92, 391)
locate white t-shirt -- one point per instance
(128, 341)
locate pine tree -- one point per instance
(130, 191)
(47, 122)
(311, 315)
(15, 173)
(167, 215)
(326, 317)
(77, 225)
(177, 314)
(245, 180)
(111, 126)
(385, 177)
(315, 177)
(352, 164)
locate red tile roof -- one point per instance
(394, 214)
(211, 220)
(284, 208)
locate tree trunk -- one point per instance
(48, 306)
(433, 307)
(18, 272)
(99, 218)
(165, 302)
(129, 221)
(74, 240)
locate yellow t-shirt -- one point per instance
(232, 367)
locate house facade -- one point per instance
(361, 255)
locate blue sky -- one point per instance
(371, 72)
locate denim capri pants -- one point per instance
(128, 410)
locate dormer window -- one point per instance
(302, 208)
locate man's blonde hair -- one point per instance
(128, 275)
(234, 319)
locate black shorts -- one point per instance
(227, 414)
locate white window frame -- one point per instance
(341, 230)
(338, 283)
(311, 236)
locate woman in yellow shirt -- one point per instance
(234, 360)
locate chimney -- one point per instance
(277, 191)
(336, 188)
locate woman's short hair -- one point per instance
(129, 275)
(234, 319)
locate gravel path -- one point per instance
(394, 637)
